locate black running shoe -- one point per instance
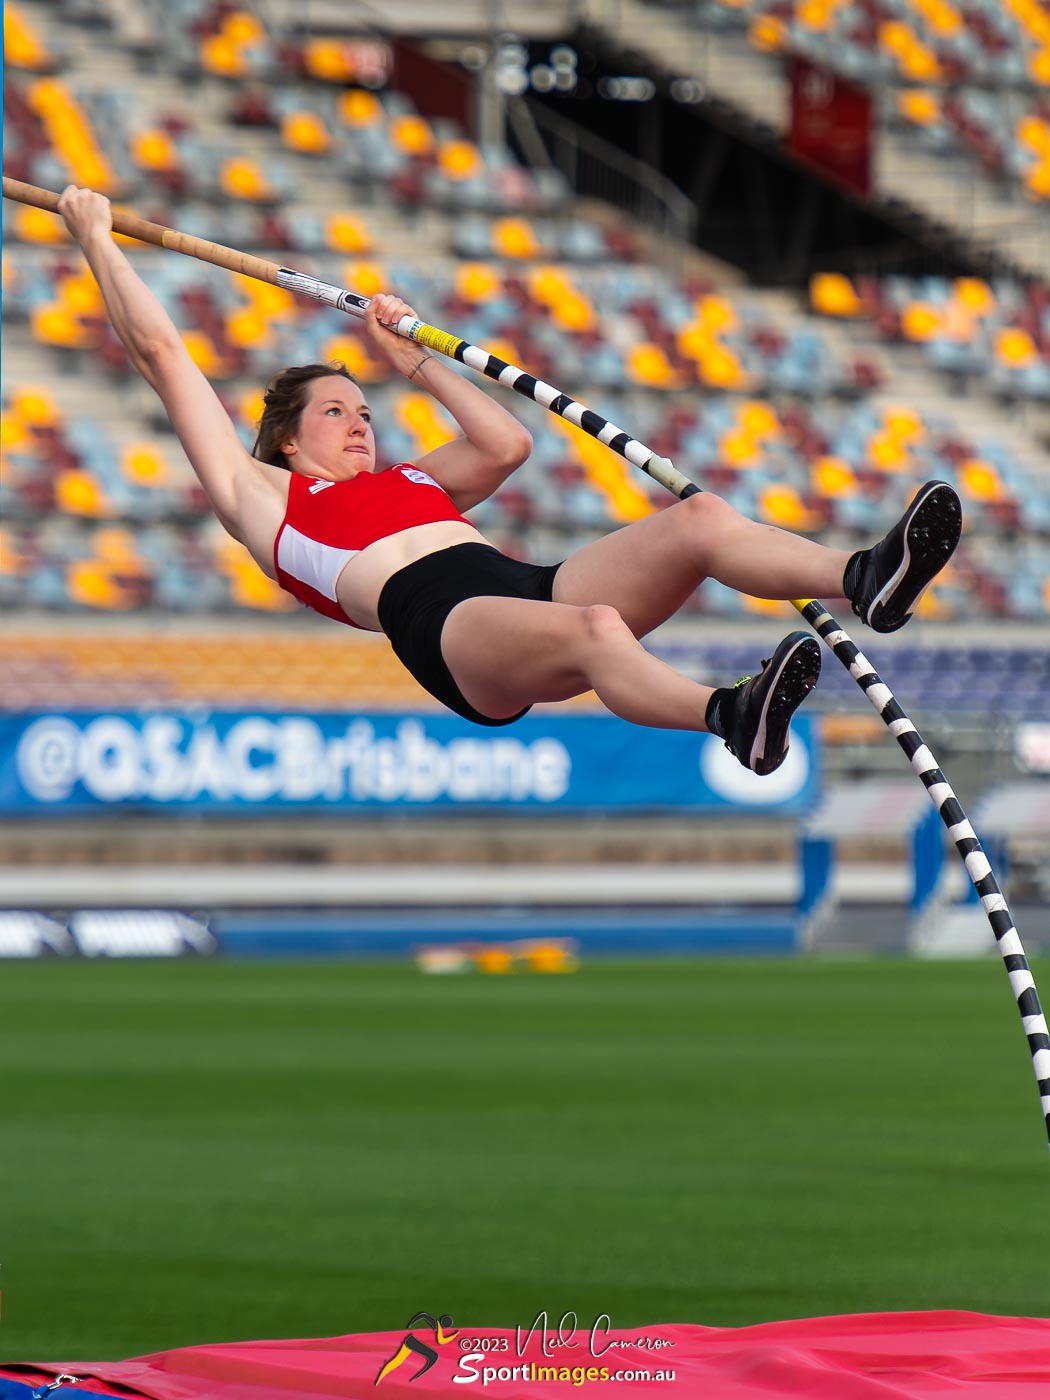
(756, 731)
(885, 583)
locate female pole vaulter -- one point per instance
(487, 635)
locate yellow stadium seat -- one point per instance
(420, 415)
(23, 47)
(574, 313)
(943, 18)
(1039, 66)
(920, 321)
(607, 473)
(79, 493)
(243, 27)
(782, 505)
(1034, 132)
(219, 54)
(70, 133)
(250, 407)
(345, 233)
(503, 350)
(80, 295)
(1037, 179)
(56, 325)
(1015, 348)
(250, 588)
(92, 584)
(981, 481)
(35, 406)
(919, 106)
(515, 238)
(267, 299)
(914, 59)
(328, 59)
(975, 295)
(904, 423)
(737, 448)
(834, 479)
(14, 435)
(38, 226)
(815, 15)
(720, 368)
(243, 179)
(352, 351)
(647, 364)
(1032, 16)
(459, 160)
(768, 33)
(759, 419)
(366, 278)
(248, 328)
(478, 282)
(412, 135)
(153, 149)
(716, 314)
(832, 294)
(569, 308)
(306, 132)
(360, 108)
(144, 464)
(117, 546)
(888, 453)
(204, 355)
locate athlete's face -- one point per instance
(335, 439)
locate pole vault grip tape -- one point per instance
(317, 290)
(441, 341)
(663, 470)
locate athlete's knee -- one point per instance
(706, 509)
(599, 624)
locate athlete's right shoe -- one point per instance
(885, 583)
(755, 728)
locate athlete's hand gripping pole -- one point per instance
(662, 470)
(659, 468)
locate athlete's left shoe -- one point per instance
(885, 583)
(757, 722)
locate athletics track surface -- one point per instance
(876, 1356)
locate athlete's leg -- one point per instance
(506, 653)
(647, 570)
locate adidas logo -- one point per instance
(319, 486)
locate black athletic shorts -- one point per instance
(416, 601)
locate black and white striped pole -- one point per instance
(922, 761)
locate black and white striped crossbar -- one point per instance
(971, 853)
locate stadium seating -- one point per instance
(781, 417)
(997, 334)
(962, 79)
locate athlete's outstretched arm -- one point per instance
(470, 467)
(226, 471)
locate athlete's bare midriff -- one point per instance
(365, 575)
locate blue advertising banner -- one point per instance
(203, 761)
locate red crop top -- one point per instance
(328, 522)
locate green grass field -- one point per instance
(216, 1151)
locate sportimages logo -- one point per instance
(411, 1345)
(502, 1356)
